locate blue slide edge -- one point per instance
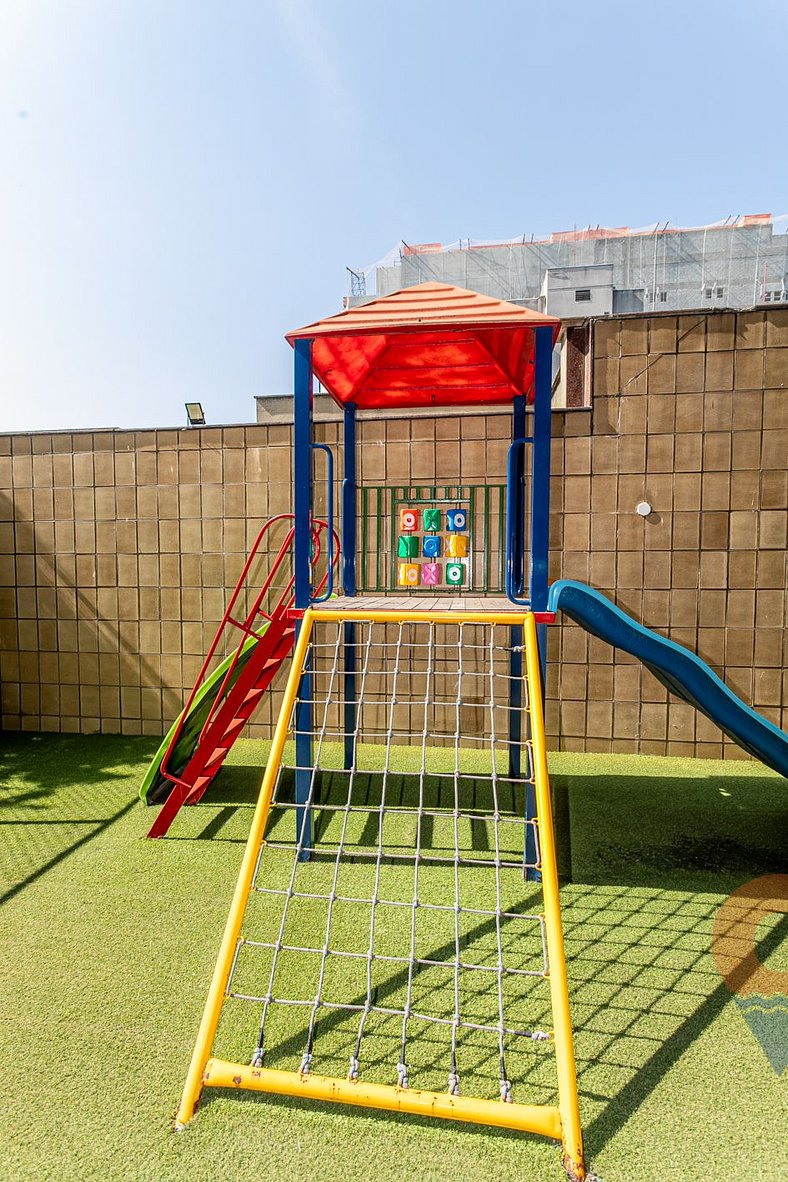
(681, 672)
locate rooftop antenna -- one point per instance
(358, 282)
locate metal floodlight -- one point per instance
(194, 414)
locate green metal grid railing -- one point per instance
(378, 508)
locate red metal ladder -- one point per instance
(250, 673)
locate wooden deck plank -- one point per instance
(465, 603)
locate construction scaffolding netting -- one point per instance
(736, 263)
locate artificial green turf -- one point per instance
(109, 942)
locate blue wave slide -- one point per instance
(679, 670)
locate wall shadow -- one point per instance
(50, 783)
(680, 832)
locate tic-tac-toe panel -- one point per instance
(425, 532)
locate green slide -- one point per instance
(155, 787)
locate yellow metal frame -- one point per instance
(561, 1122)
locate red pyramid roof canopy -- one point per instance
(429, 345)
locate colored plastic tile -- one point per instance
(457, 545)
(455, 573)
(408, 574)
(431, 573)
(456, 519)
(432, 519)
(408, 520)
(408, 546)
(431, 547)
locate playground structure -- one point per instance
(450, 673)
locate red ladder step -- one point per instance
(242, 699)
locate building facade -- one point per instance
(740, 263)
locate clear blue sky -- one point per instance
(183, 181)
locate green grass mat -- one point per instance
(109, 942)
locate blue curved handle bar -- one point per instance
(329, 591)
(514, 586)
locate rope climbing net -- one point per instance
(387, 936)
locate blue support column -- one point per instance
(540, 480)
(349, 502)
(349, 578)
(540, 540)
(518, 533)
(302, 511)
(516, 632)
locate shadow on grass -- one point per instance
(97, 828)
(678, 832)
(36, 766)
(649, 858)
(237, 788)
(625, 1102)
(38, 775)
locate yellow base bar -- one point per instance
(526, 1118)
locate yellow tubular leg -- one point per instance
(571, 1136)
(213, 1005)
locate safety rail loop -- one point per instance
(282, 605)
(515, 578)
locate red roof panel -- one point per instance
(429, 345)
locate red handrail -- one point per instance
(283, 603)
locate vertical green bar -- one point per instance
(486, 536)
(472, 535)
(378, 536)
(501, 544)
(364, 542)
(392, 510)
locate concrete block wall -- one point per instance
(118, 549)
(690, 414)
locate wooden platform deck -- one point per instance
(418, 603)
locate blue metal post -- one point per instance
(302, 511)
(518, 541)
(540, 538)
(349, 577)
(540, 480)
(516, 632)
